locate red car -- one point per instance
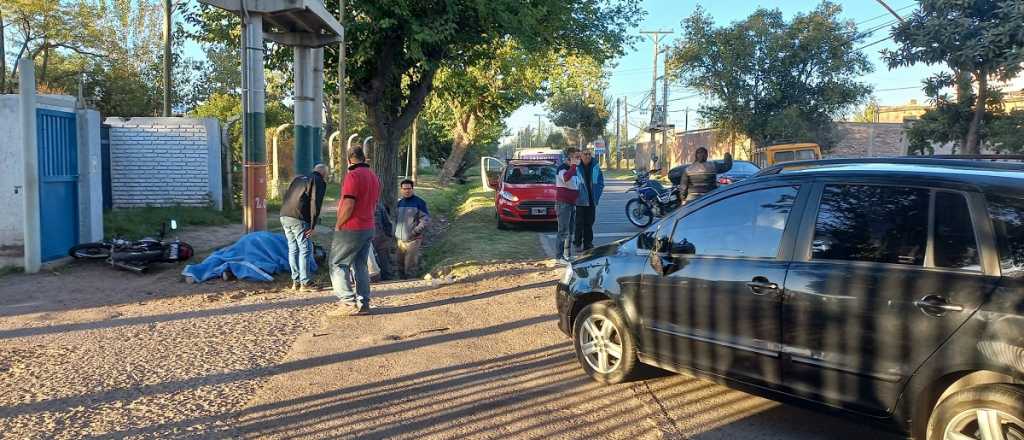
(525, 193)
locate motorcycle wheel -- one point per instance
(639, 213)
(90, 251)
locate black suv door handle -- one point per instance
(761, 286)
(935, 305)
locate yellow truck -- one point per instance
(787, 153)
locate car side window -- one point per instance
(744, 225)
(1008, 220)
(882, 224)
(955, 244)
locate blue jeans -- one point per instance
(349, 253)
(299, 248)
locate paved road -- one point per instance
(611, 221)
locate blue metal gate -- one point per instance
(58, 182)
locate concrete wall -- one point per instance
(860, 139)
(12, 174)
(165, 162)
(11, 183)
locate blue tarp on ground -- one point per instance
(256, 256)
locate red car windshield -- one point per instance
(530, 174)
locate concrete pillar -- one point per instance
(90, 176)
(213, 161)
(316, 141)
(275, 179)
(332, 155)
(255, 123)
(27, 90)
(303, 69)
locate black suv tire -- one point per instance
(955, 409)
(598, 315)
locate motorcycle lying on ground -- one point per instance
(136, 256)
(653, 200)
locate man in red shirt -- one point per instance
(353, 233)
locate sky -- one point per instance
(631, 78)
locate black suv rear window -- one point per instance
(955, 246)
(1008, 219)
(882, 224)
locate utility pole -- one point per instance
(539, 115)
(887, 8)
(665, 155)
(625, 108)
(656, 36)
(167, 58)
(342, 126)
(618, 146)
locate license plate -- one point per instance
(538, 211)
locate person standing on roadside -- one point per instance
(591, 185)
(382, 235)
(411, 222)
(701, 176)
(566, 193)
(300, 211)
(352, 236)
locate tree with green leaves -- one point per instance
(556, 140)
(474, 100)
(771, 79)
(978, 40)
(577, 102)
(395, 49)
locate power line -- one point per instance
(885, 14)
(873, 43)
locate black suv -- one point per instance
(891, 289)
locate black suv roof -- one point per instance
(991, 165)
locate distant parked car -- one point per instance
(525, 193)
(741, 170)
(888, 289)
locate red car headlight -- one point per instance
(508, 196)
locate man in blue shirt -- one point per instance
(411, 220)
(591, 185)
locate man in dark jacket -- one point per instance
(382, 236)
(411, 222)
(701, 176)
(300, 210)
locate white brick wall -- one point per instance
(163, 162)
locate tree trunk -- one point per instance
(46, 63)
(460, 144)
(3, 57)
(971, 145)
(387, 136)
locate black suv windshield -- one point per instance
(530, 174)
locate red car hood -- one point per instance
(542, 192)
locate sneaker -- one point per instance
(360, 312)
(311, 287)
(562, 261)
(342, 310)
(295, 286)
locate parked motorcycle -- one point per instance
(136, 256)
(653, 200)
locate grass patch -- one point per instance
(8, 270)
(618, 174)
(135, 223)
(473, 238)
